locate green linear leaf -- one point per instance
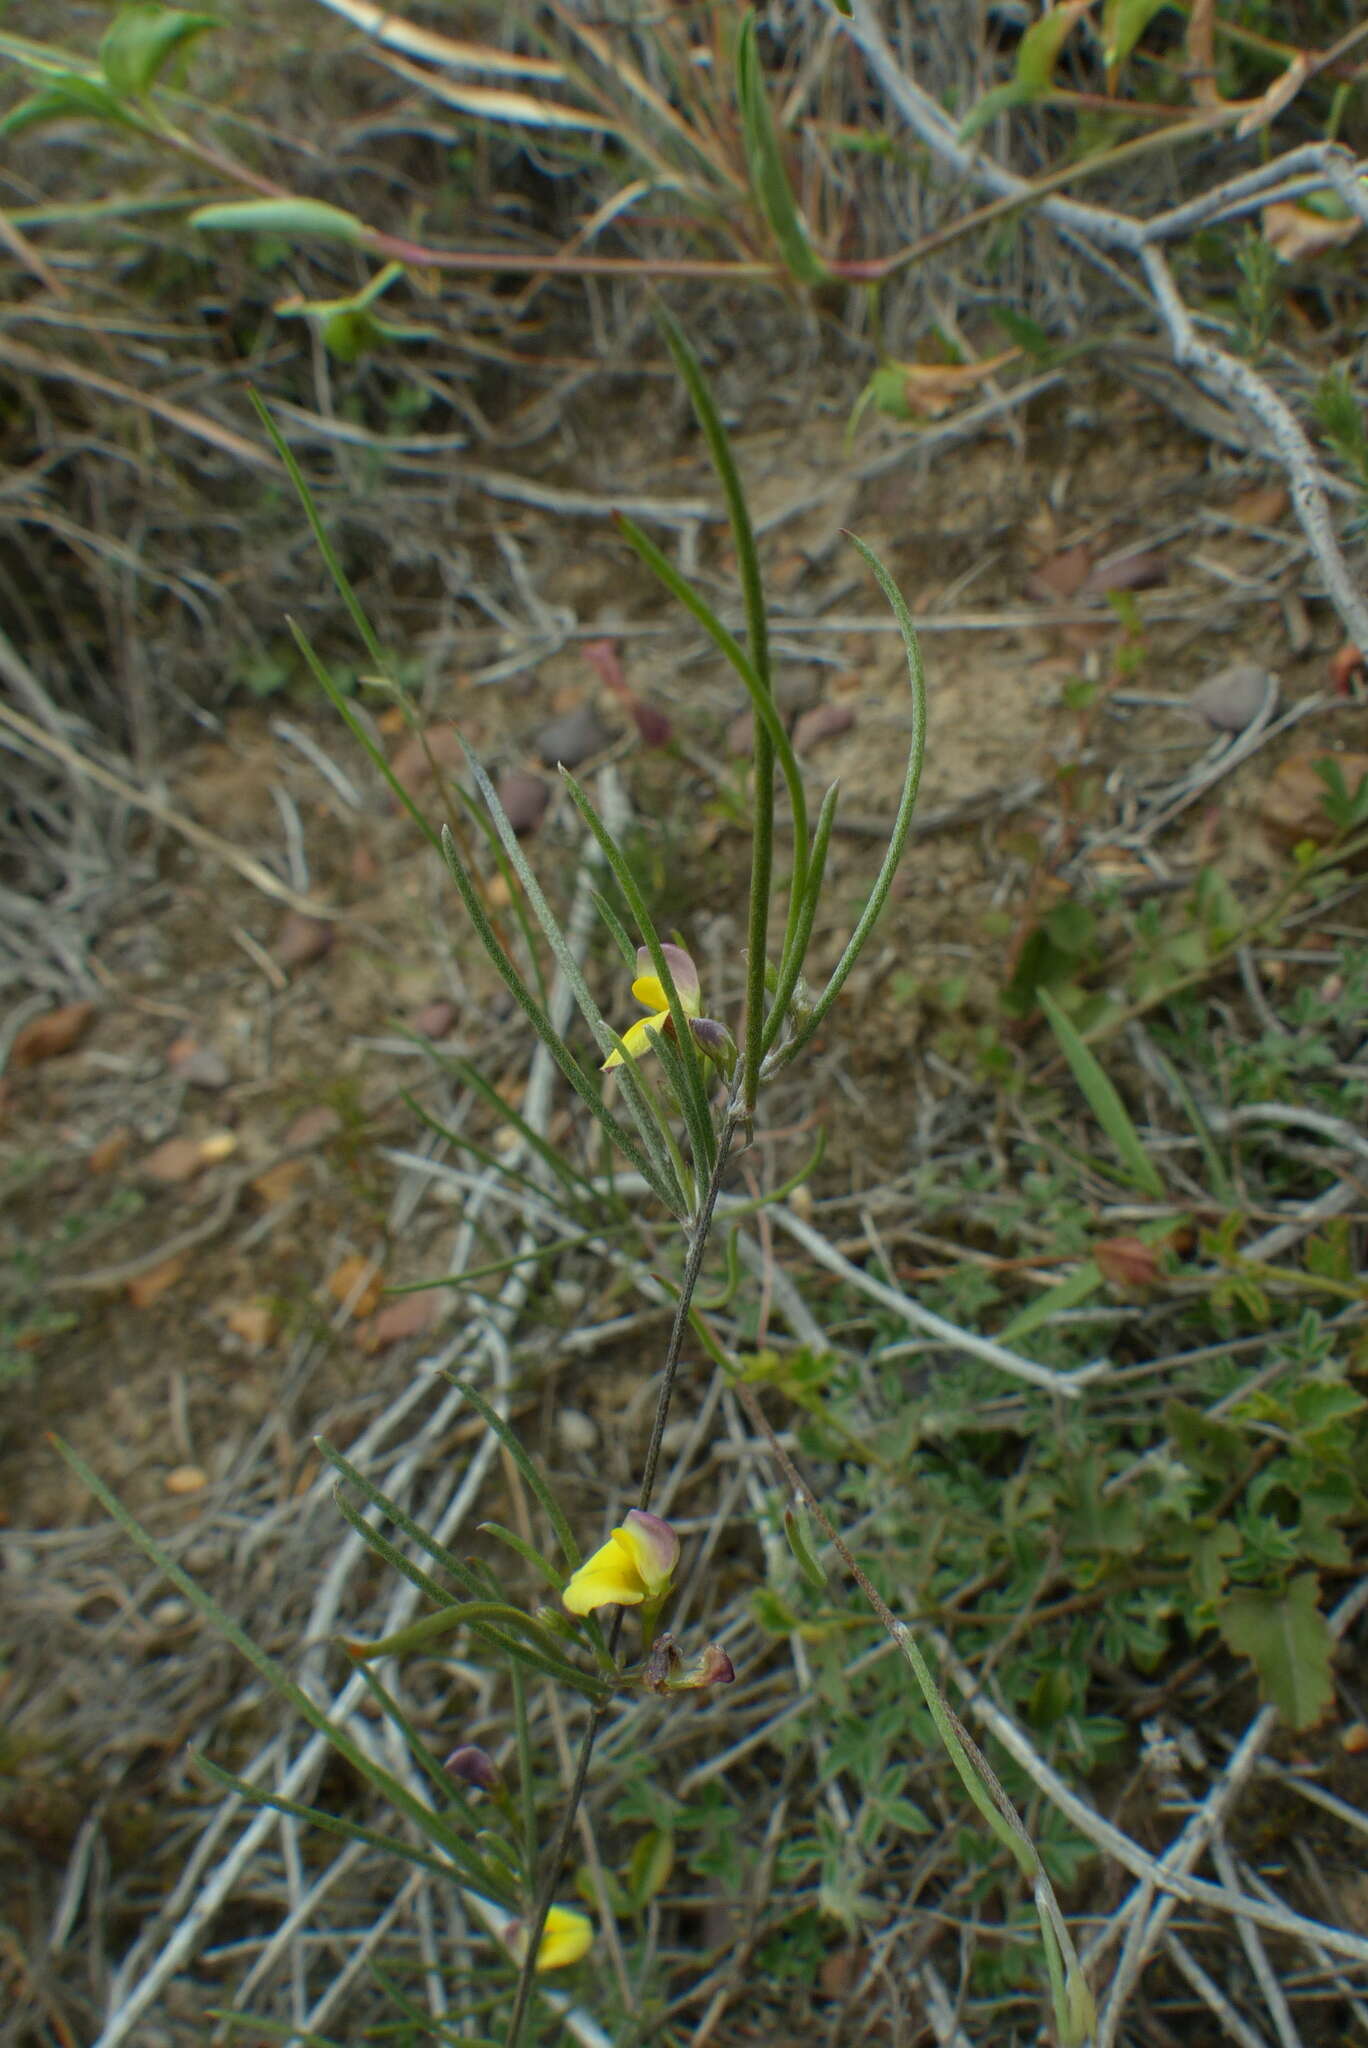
(907, 803)
(1102, 1098)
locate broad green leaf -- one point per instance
(141, 41)
(280, 217)
(1103, 1100)
(1038, 51)
(69, 97)
(798, 1533)
(990, 106)
(1123, 24)
(1288, 1641)
(648, 1871)
(1205, 1443)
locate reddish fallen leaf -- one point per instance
(105, 1156)
(49, 1036)
(313, 1127)
(302, 939)
(653, 727)
(358, 1281)
(1346, 667)
(1063, 576)
(1127, 1262)
(183, 1479)
(180, 1159)
(1354, 1738)
(1293, 803)
(1142, 570)
(145, 1288)
(411, 1315)
(823, 722)
(425, 756)
(435, 1019)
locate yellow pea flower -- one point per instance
(633, 1567)
(565, 1938)
(650, 993)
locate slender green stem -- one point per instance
(546, 1890)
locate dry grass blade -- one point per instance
(390, 29)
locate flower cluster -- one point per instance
(712, 1038)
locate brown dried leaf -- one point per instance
(435, 1019)
(1144, 569)
(1127, 1262)
(1346, 666)
(424, 756)
(1293, 231)
(1262, 507)
(254, 1322)
(49, 1036)
(358, 1281)
(105, 1156)
(279, 1182)
(1293, 805)
(145, 1288)
(1063, 576)
(180, 1159)
(302, 939)
(935, 388)
(313, 1127)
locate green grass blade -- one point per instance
(400, 1517)
(764, 158)
(791, 966)
(430, 1825)
(1103, 1100)
(337, 1824)
(643, 1115)
(555, 1514)
(347, 714)
(523, 1549)
(694, 1100)
(654, 1169)
(325, 546)
(907, 803)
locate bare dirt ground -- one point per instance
(215, 1184)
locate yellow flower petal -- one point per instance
(650, 993)
(565, 1938)
(637, 1038)
(610, 1578)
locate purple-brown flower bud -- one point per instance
(474, 1767)
(665, 1671)
(714, 1040)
